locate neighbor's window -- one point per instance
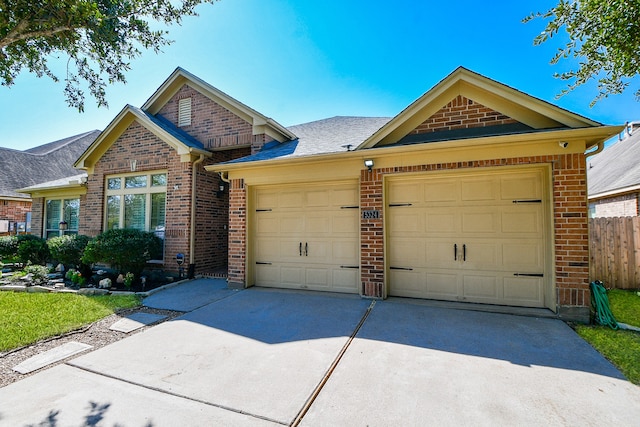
(57, 210)
(137, 201)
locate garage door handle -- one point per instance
(455, 251)
(300, 247)
(529, 274)
(401, 268)
(263, 263)
(306, 249)
(349, 266)
(464, 252)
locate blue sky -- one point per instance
(299, 61)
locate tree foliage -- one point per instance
(604, 35)
(98, 37)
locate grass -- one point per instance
(26, 317)
(621, 347)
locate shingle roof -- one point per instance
(52, 161)
(171, 129)
(616, 167)
(322, 136)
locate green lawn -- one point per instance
(621, 347)
(27, 317)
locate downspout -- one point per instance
(192, 234)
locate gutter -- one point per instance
(192, 233)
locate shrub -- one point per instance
(68, 249)
(32, 249)
(124, 249)
(39, 274)
(8, 248)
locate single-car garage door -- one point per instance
(306, 237)
(472, 236)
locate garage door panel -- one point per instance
(441, 222)
(478, 189)
(480, 222)
(408, 283)
(523, 256)
(405, 193)
(521, 186)
(405, 221)
(407, 252)
(477, 287)
(476, 211)
(304, 234)
(440, 191)
(525, 291)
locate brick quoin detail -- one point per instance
(462, 113)
(237, 234)
(570, 221)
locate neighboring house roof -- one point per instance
(322, 136)
(47, 162)
(616, 169)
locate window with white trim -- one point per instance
(61, 210)
(184, 112)
(136, 201)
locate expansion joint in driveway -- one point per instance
(336, 361)
(182, 396)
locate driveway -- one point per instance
(271, 357)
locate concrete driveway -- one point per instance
(269, 357)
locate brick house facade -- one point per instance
(461, 136)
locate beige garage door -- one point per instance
(306, 237)
(475, 237)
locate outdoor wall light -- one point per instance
(62, 225)
(563, 144)
(220, 191)
(369, 164)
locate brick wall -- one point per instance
(462, 113)
(570, 222)
(211, 124)
(150, 153)
(37, 217)
(371, 234)
(14, 211)
(237, 234)
(625, 205)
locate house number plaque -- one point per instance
(371, 214)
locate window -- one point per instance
(137, 201)
(184, 112)
(58, 210)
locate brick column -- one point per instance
(571, 237)
(237, 234)
(371, 235)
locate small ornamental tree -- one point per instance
(126, 250)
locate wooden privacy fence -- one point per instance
(615, 251)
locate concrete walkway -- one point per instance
(268, 357)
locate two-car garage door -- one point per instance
(474, 237)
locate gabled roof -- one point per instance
(47, 162)
(616, 169)
(180, 77)
(527, 110)
(183, 143)
(331, 135)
